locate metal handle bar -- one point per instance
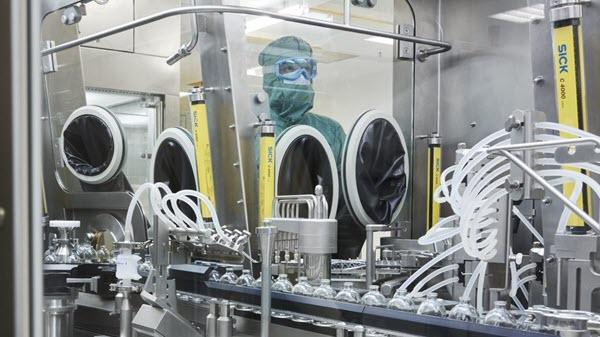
(441, 46)
(545, 145)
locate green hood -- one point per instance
(289, 101)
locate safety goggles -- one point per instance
(292, 69)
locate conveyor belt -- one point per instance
(191, 279)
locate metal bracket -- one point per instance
(49, 62)
(567, 9)
(577, 154)
(92, 281)
(405, 50)
(72, 15)
(521, 125)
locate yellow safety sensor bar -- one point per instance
(434, 171)
(570, 95)
(266, 171)
(203, 152)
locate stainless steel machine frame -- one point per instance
(20, 197)
(216, 47)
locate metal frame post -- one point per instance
(266, 236)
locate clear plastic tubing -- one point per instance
(439, 285)
(471, 163)
(479, 270)
(211, 208)
(155, 199)
(134, 201)
(471, 241)
(565, 128)
(185, 196)
(177, 215)
(577, 177)
(477, 188)
(566, 213)
(431, 263)
(528, 224)
(429, 277)
(436, 234)
(153, 202)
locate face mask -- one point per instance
(289, 100)
(298, 81)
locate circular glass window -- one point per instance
(375, 169)
(174, 164)
(305, 160)
(92, 144)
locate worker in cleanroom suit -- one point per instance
(288, 73)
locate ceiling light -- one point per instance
(522, 15)
(263, 22)
(256, 72)
(380, 40)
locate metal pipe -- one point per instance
(558, 280)
(586, 217)
(211, 318)
(126, 315)
(359, 331)
(347, 12)
(371, 251)
(370, 258)
(186, 49)
(266, 236)
(340, 329)
(388, 288)
(544, 145)
(224, 322)
(443, 46)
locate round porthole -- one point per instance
(174, 163)
(304, 160)
(174, 160)
(92, 145)
(375, 169)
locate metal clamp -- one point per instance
(567, 9)
(371, 229)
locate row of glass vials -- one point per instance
(431, 305)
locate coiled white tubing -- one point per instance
(473, 205)
(162, 200)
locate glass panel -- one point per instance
(137, 115)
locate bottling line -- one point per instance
(393, 168)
